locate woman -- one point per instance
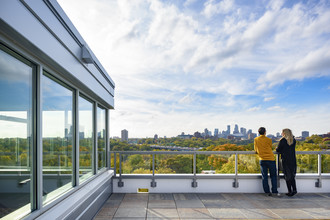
(286, 148)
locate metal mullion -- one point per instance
(95, 156)
(107, 142)
(37, 180)
(75, 144)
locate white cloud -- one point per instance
(267, 99)
(314, 64)
(189, 2)
(164, 59)
(276, 108)
(254, 109)
(222, 7)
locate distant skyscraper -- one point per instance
(216, 132)
(243, 130)
(305, 134)
(124, 135)
(206, 132)
(228, 129)
(236, 131)
(156, 136)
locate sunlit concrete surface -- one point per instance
(215, 206)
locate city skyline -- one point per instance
(189, 65)
(220, 134)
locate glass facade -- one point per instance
(16, 76)
(57, 137)
(58, 145)
(101, 141)
(85, 138)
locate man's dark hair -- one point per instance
(262, 130)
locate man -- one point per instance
(263, 147)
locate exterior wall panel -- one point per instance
(48, 39)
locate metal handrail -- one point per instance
(211, 152)
(317, 175)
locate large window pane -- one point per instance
(101, 143)
(85, 138)
(57, 138)
(15, 132)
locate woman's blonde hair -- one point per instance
(287, 134)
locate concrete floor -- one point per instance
(215, 206)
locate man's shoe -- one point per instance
(278, 194)
(269, 194)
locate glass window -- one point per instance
(101, 142)
(15, 132)
(57, 137)
(85, 138)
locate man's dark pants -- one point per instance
(270, 165)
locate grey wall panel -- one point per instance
(65, 30)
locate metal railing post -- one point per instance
(153, 183)
(115, 163)
(120, 182)
(318, 183)
(235, 183)
(278, 170)
(194, 183)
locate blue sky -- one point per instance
(182, 66)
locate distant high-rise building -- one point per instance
(156, 136)
(124, 135)
(305, 134)
(216, 132)
(228, 129)
(252, 135)
(249, 131)
(206, 132)
(243, 130)
(236, 131)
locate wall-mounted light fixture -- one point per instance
(85, 55)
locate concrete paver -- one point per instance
(214, 206)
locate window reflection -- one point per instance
(85, 138)
(101, 143)
(15, 131)
(57, 138)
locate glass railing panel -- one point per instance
(173, 164)
(204, 164)
(325, 163)
(208, 163)
(136, 164)
(218, 164)
(248, 163)
(307, 163)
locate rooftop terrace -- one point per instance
(215, 206)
